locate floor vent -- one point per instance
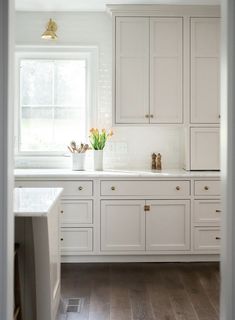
(73, 305)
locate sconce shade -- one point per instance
(50, 33)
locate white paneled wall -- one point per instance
(131, 147)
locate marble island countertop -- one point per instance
(35, 202)
(68, 173)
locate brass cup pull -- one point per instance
(113, 188)
(80, 188)
(217, 238)
(206, 188)
(217, 210)
(178, 188)
(147, 116)
(61, 239)
(62, 211)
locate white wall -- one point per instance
(130, 146)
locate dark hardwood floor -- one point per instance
(142, 291)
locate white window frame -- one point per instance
(90, 54)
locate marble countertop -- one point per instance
(35, 202)
(68, 173)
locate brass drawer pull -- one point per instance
(113, 188)
(178, 188)
(217, 238)
(217, 210)
(80, 188)
(206, 188)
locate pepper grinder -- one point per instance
(154, 156)
(159, 161)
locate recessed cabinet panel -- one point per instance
(207, 212)
(75, 240)
(168, 225)
(166, 85)
(132, 70)
(207, 239)
(205, 71)
(76, 212)
(205, 149)
(145, 188)
(122, 225)
(71, 188)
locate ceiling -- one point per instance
(93, 5)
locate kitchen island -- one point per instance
(40, 206)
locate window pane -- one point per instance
(50, 122)
(70, 83)
(36, 82)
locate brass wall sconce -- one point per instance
(50, 33)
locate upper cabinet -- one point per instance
(205, 71)
(148, 70)
(166, 70)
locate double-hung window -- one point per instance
(53, 102)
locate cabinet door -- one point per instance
(168, 225)
(132, 70)
(205, 73)
(166, 85)
(122, 225)
(205, 149)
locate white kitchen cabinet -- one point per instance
(76, 240)
(207, 239)
(207, 212)
(205, 148)
(148, 70)
(132, 70)
(122, 225)
(205, 71)
(76, 212)
(168, 225)
(166, 80)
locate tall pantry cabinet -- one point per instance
(166, 72)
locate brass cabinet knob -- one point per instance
(217, 238)
(61, 239)
(62, 211)
(147, 116)
(217, 210)
(151, 115)
(112, 188)
(80, 188)
(178, 188)
(206, 188)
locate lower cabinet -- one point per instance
(158, 225)
(122, 225)
(76, 240)
(168, 225)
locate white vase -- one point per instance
(98, 160)
(78, 161)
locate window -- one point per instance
(53, 103)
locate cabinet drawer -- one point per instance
(207, 212)
(74, 240)
(76, 212)
(71, 188)
(207, 188)
(145, 188)
(206, 239)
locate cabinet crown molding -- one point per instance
(163, 10)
